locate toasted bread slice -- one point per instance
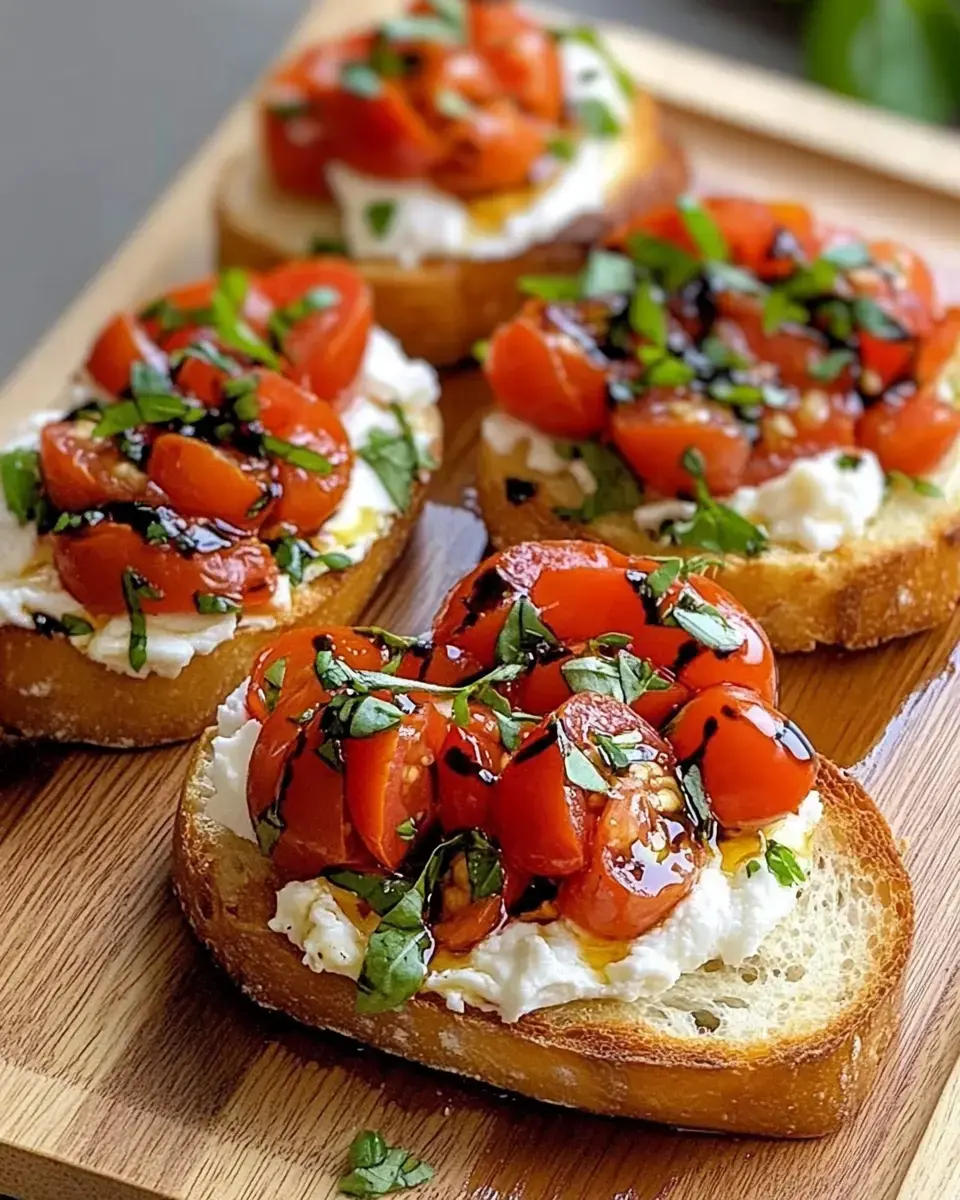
(787, 1044)
(49, 689)
(900, 577)
(440, 308)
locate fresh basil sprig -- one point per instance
(782, 864)
(397, 459)
(713, 526)
(523, 635)
(624, 677)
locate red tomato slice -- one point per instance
(523, 56)
(382, 136)
(912, 434)
(884, 362)
(902, 286)
(493, 149)
(122, 343)
(543, 819)
(325, 350)
(623, 891)
(756, 764)
(298, 649)
(204, 481)
(448, 665)
(655, 431)
(81, 472)
(543, 377)
(389, 781)
(470, 925)
(307, 496)
(474, 611)
(939, 348)
(306, 794)
(467, 770)
(809, 425)
(91, 563)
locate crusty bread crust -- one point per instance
(576, 1054)
(902, 579)
(48, 689)
(439, 309)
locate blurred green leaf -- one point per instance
(899, 54)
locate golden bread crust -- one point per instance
(575, 1054)
(49, 689)
(440, 308)
(865, 592)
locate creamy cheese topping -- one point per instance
(29, 582)
(429, 223)
(526, 966)
(817, 504)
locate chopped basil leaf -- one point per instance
(480, 349)
(484, 869)
(273, 678)
(753, 866)
(703, 230)
(69, 624)
(361, 80)
(580, 770)
(590, 37)
(696, 800)
(831, 365)
(373, 716)
(208, 603)
(782, 864)
(523, 634)
(923, 487)
(317, 299)
(617, 488)
(672, 265)
(452, 105)
(597, 118)
(135, 588)
(226, 308)
(705, 623)
(379, 215)
(780, 309)
(407, 830)
(838, 319)
(870, 317)
(593, 674)
(714, 526)
(268, 827)
(381, 892)
(637, 677)
(292, 554)
(20, 476)
(376, 1170)
(660, 580)
(725, 277)
(648, 313)
(848, 462)
(606, 272)
(320, 245)
(669, 372)
(208, 353)
(618, 641)
(334, 560)
(297, 456)
(397, 459)
(722, 356)
(562, 147)
(620, 751)
(511, 729)
(553, 288)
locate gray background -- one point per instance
(101, 101)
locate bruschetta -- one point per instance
(243, 454)
(447, 152)
(564, 843)
(733, 377)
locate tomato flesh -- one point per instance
(81, 472)
(121, 344)
(467, 768)
(910, 435)
(297, 650)
(755, 764)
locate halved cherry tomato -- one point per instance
(694, 664)
(756, 765)
(447, 665)
(289, 785)
(390, 781)
(654, 432)
(910, 434)
(298, 649)
(808, 425)
(795, 350)
(383, 135)
(901, 284)
(122, 343)
(884, 361)
(205, 481)
(942, 346)
(308, 496)
(628, 886)
(523, 56)
(542, 376)
(468, 766)
(192, 303)
(443, 70)
(543, 819)
(91, 563)
(325, 349)
(492, 149)
(80, 471)
(470, 924)
(475, 610)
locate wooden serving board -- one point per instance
(130, 1068)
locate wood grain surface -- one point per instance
(130, 1068)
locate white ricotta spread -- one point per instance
(526, 966)
(817, 504)
(429, 223)
(29, 582)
